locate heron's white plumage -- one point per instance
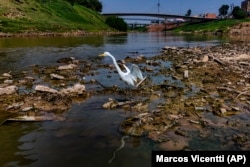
(132, 77)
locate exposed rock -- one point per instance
(7, 75)
(76, 89)
(110, 104)
(223, 111)
(185, 75)
(49, 102)
(30, 78)
(8, 90)
(67, 67)
(56, 76)
(15, 105)
(26, 118)
(205, 58)
(8, 81)
(27, 109)
(236, 108)
(42, 88)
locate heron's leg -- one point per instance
(127, 92)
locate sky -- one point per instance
(175, 7)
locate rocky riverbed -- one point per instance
(205, 92)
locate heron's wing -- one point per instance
(136, 72)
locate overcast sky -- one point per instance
(167, 6)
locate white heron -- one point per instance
(132, 77)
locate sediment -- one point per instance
(208, 92)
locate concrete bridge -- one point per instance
(163, 16)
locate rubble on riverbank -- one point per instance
(40, 99)
(202, 92)
(217, 83)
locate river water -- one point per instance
(89, 135)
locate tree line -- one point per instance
(95, 5)
(92, 4)
(236, 12)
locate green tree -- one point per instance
(117, 23)
(188, 12)
(92, 4)
(223, 10)
(238, 13)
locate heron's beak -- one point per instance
(102, 54)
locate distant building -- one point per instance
(245, 6)
(210, 16)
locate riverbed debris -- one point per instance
(8, 90)
(40, 97)
(214, 82)
(202, 91)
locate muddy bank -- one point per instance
(204, 90)
(240, 29)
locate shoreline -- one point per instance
(57, 34)
(234, 36)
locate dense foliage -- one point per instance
(92, 4)
(238, 13)
(223, 10)
(189, 11)
(117, 23)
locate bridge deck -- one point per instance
(157, 15)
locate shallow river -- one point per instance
(89, 135)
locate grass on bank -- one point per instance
(221, 25)
(19, 16)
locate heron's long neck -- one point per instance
(115, 63)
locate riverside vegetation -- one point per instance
(59, 17)
(33, 16)
(223, 25)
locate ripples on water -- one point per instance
(89, 135)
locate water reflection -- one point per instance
(116, 39)
(51, 41)
(11, 145)
(21, 53)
